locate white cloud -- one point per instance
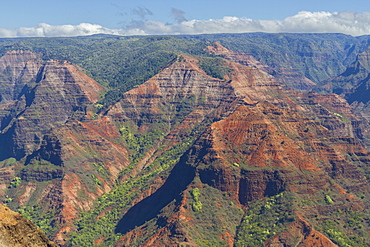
(351, 23)
(304, 22)
(46, 30)
(324, 22)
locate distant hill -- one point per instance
(120, 63)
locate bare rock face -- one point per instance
(183, 85)
(91, 162)
(287, 77)
(264, 139)
(17, 68)
(56, 92)
(16, 231)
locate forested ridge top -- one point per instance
(120, 63)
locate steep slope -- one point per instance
(17, 68)
(17, 231)
(80, 157)
(168, 107)
(58, 91)
(260, 150)
(315, 56)
(283, 76)
(63, 164)
(78, 162)
(353, 85)
(123, 62)
(158, 121)
(355, 75)
(186, 159)
(264, 164)
(359, 77)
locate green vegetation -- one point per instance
(44, 220)
(304, 51)
(196, 205)
(8, 162)
(338, 115)
(122, 63)
(16, 181)
(40, 166)
(118, 63)
(96, 180)
(92, 225)
(345, 227)
(336, 233)
(265, 218)
(139, 142)
(7, 200)
(219, 216)
(338, 220)
(98, 106)
(215, 67)
(328, 200)
(101, 169)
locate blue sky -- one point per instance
(22, 17)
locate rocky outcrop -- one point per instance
(78, 159)
(17, 68)
(40, 175)
(58, 91)
(17, 231)
(183, 85)
(168, 108)
(285, 76)
(261, 150)
(358, 76)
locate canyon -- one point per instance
(254, 155)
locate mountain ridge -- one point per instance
(268, 183)
(165, 163)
